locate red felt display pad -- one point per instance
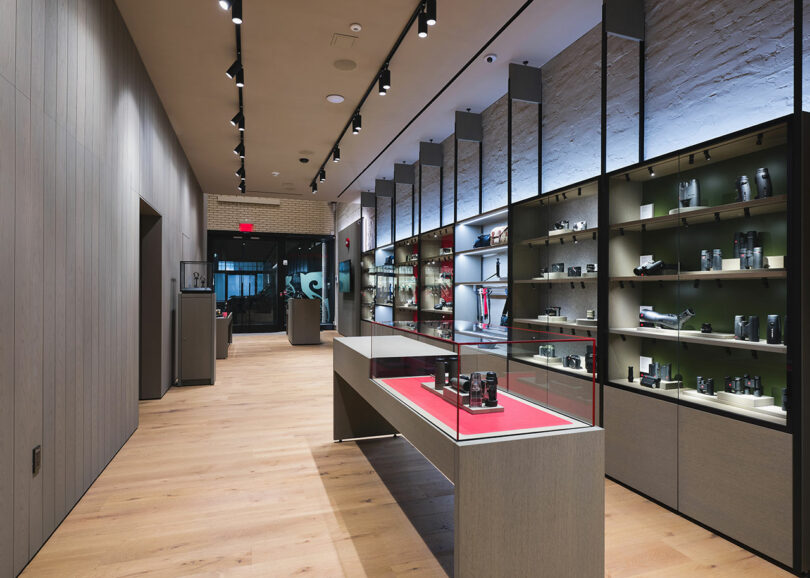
(516, 415)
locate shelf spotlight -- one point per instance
(652, 171)
(759, 139)
(706, 155)
(692, 159)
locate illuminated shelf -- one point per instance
(586, 235)
(691, 336)
(740, 275)
(481, 251)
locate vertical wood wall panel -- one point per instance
(7, 341)
(89, 137)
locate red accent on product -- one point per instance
(516, 415)
(246, 227)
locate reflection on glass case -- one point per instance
(196, 276)
(474, 388)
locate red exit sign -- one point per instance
(246, 227)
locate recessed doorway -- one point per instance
(150, 305)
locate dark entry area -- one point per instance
(255, 274)
(150, 306)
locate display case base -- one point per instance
(548, 276)
(587, 322)
(747, 401)
(452, 395)
(556, 232)
(548, 360)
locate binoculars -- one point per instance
(705, 385)
(746, 329)
(711, 260)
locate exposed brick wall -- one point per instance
(292, 216)
(715, 67)
(572, 112)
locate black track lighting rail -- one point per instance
(236, 72)
(420, 7)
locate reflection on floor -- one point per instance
(242, 479)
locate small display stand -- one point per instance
(196, 276)
(304, 321)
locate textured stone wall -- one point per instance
(384, 206)
(404, 211)
(417, 207)
(292, 216)
(430, 197)
(468, 175)
(525, 157)
(369, 228)
(494, 154)
(346, 214)
(448, 200)
(715, 67)
(622, 102)
(572, 112)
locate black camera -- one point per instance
(580, 226)
(561, 225)
(705, 385)
(558, 267)
(572, 361)
(591, 268)
(650, 381)
(774, 329)
(728, 384)
(552, 311)
(650, 268)
(575, 271)
(746, 329)
(705, 327)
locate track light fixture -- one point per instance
(236, 11)
(314, 187)
(336, 155)
(357, 123)
(322, 175)
(237, 118)
(385, 77)
(240, 78)
(224, 4)
(382, 90)
(691, 159)
(234, 69)
(241, 124)
(422, 26)
(706, 155)
(652, 171)
(240, 172)
(242, 187)
(430, 12)
(239, 150)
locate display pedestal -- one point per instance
(749, 401)
(544, 492)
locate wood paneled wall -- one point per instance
(82, 136)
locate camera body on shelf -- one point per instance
(580, 226)
(575, 271)
(558, 267)
(547, 350)
(650, 268)
(573, 361)
(561, 225)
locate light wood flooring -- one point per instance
(242, 479)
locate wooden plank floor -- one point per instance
(241, 479)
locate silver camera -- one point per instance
(580, 226)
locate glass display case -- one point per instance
(555, 271)
(368, 289)
(436, 258)
(698, 279)
(196, 276)
(475, 389)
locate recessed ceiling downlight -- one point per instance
(335, 98)
(345, 64)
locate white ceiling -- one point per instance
(288, 55)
